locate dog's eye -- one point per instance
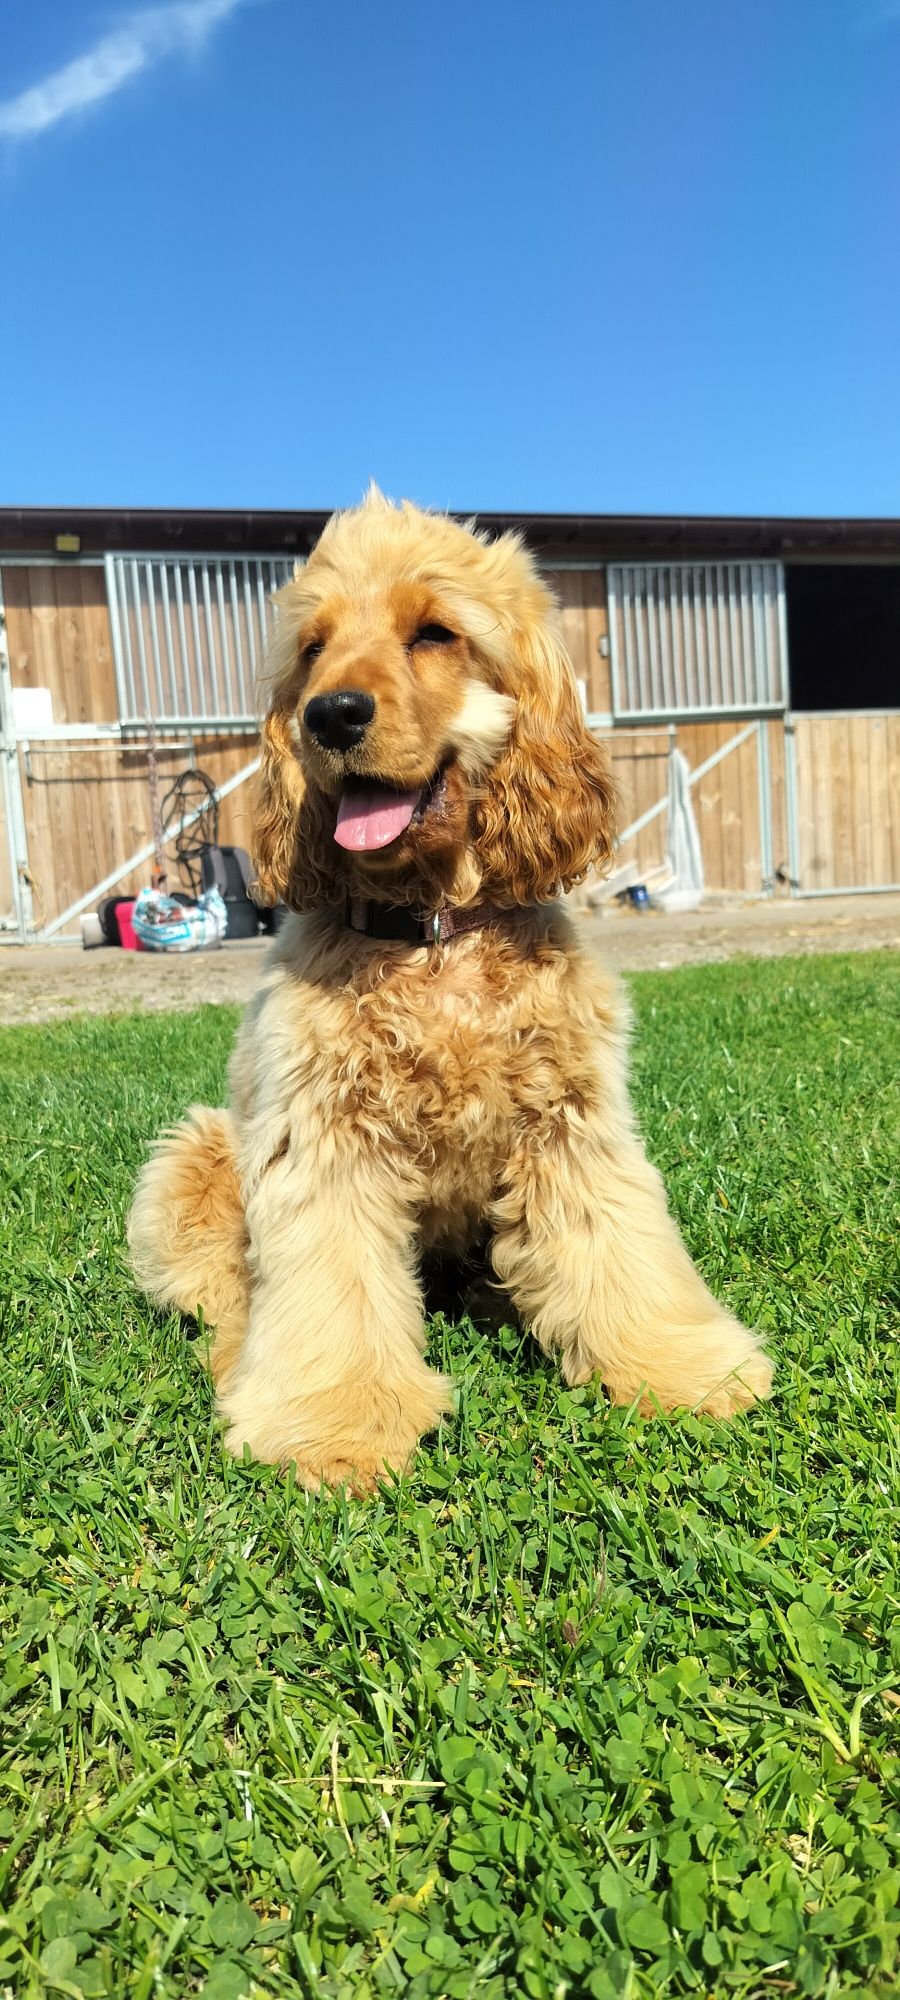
(432, 635)
(312, 651)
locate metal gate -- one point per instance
(755, 733)
(705, 640)
(189, 636)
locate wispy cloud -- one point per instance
(142, 40)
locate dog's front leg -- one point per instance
(332, 1374)
(586, 1246)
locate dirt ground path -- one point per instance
(48, 983)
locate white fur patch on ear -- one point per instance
(481, 727)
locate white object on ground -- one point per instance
(683, 850)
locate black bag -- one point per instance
(107, 919)
(228, 869)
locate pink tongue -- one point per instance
(372, 816)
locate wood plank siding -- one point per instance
(57, 629)
(848, 785)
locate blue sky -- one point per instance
(585, 255)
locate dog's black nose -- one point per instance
(337, 721)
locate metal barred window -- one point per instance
(189, 635)
(696, 639)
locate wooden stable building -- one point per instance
(768, 650)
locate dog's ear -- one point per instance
(290, 843)
(547, 815)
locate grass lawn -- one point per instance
(586, 1706)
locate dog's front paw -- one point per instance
(718, 1368)
(749, 1382)
(358, 1467)
(359, 1473)
(342, 1437)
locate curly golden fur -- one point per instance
(390, 1097)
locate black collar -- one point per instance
(398, 922)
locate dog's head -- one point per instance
(424, 739)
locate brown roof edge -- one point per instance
(34, 531)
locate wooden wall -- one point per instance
(88, 807)
(726, 801)
(57, 630)
(848, 777)
(87, 810)
(848, 786)
(581, 594)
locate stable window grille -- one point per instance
(189, 637)
(696, 639)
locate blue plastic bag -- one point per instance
(162, 924)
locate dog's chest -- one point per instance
(429, 1073)
(434, 1073)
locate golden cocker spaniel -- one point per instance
(432, 1053)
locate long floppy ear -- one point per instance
(547, 816)
(290, 842)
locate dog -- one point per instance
(433, 1054)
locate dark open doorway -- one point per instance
(844, 635)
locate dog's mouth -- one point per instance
(372, 814)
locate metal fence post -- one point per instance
(790, 801)
(765, 808)
(16, 828)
